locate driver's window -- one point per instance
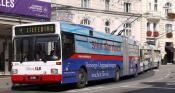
(47, 49)
(40, 51)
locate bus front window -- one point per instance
(37, 49)
(47, 49)
(23, 50)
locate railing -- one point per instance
(171, 15)
(153, 15)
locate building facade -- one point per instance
(154, 26)
(158, 23)
(15, 12)
(103, 15)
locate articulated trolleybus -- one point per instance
(60, 53)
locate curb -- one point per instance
(4, 76)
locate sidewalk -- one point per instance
(4, 74)
(5, 81)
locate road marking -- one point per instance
(167, 75)
(100, 88)
(124, 86)
(86, 89)
(170, 83)
(71, 91)
(157, 70)
(151, 87)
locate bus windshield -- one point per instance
(37, 49)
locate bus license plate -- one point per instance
(33, 78)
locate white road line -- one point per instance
(72, 91)
(105, 89)
(156, 70)
(86, 89)
(170, 83)
(151, 87)
(147, 86)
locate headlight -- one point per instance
(54, 71)
(14, 71)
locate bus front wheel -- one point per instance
(117, 74)
(82, 76)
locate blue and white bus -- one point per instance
(150, 57)
(60, 53)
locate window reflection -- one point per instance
(37, 49)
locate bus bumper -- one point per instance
(35, 79)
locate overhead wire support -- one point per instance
(119, 33)
(113, 32)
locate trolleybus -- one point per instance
(60, 53)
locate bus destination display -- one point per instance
(36, 29)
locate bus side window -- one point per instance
(67, 44)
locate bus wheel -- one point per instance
(117, 74)
(14, 86)
(82, 76)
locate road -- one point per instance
(154, 81)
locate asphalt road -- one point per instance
(154, 81)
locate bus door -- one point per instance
(125, 57)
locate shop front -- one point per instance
(15, 12)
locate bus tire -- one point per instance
(82, 76)
(14, 87)
(117, 74)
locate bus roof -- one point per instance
(81, 30)
(85, 30)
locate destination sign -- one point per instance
(35, 29)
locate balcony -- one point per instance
(169, 35)
(149, 33)
(171, 15)
(153, 34)
(153, 16)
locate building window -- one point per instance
(107, 27)
(148, 26)
(168, 8)
(154, 26)
(127, 7)
(155, 5)
(85, 3)
(168, 28)
(149, 6)
(127, 29)
(86, 22)
(107, 4)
